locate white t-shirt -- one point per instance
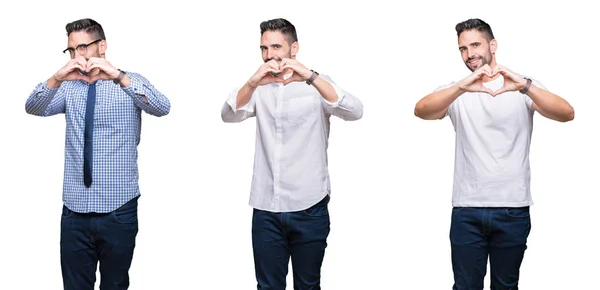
(493, 135)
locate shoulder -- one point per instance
(444, 86)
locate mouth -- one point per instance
(474, 62)
(83, 73)
(276, 74)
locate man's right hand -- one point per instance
(474, 83)
(263, 74)
(69, 72)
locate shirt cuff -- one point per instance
(43, 91)
(137, 88)
(232, 101)
(339, 93)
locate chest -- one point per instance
(111, 105)
(294, 103)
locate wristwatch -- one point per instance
(526, 87)
(312, 77)
(120, 77)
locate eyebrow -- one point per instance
(273, 45)
(472, 43)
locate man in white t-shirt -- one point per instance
(492, 112)
(292, 106)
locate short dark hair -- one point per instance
(88, 25)
(279, 24)
(477, 24)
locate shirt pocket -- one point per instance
(300, 109)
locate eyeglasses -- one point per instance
(82, 48)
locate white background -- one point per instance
(391, 172)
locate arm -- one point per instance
(45, 101)
(240, 105)
(241, 102)
(338, 102)
(546, 103)
(550, 105)
(47, 98)
(145, 95)
(435, 105)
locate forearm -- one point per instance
(53, 83)
(435, 105)
(551, 105)
(326, 90)
(145, 95)
(244, 95)
(338, 102)
(234, 110)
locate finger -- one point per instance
(95, 72)
(286, 65)
(99, 66)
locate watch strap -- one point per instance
(312, 77)
(526, 87)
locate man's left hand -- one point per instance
(301, 73)
(101, 69)
(512, 81)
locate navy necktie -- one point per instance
(88, 134)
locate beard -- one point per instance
(483, 61)
(278, 59)
(87, 73)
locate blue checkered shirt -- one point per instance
(117, 126)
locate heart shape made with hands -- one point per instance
(508, 83)
(279, 69)
(88, 72)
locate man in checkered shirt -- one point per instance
(102, 107)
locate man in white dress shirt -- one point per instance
(290, 185)
(492, 112)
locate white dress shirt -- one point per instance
(292, 131)
(493, 137)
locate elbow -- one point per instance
(30, 109)
(227, 117)
(163, 111)
(416, 112)
(419, 112)
(569, 116)
(357, 115)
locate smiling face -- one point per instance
(274, 46)
(476, 51)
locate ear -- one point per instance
(102, 47)
(493, 46)
(295, 48)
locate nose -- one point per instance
(470, 52)
(270, 53)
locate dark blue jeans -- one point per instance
(89, 238)
(498, 233)
(301, 235)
